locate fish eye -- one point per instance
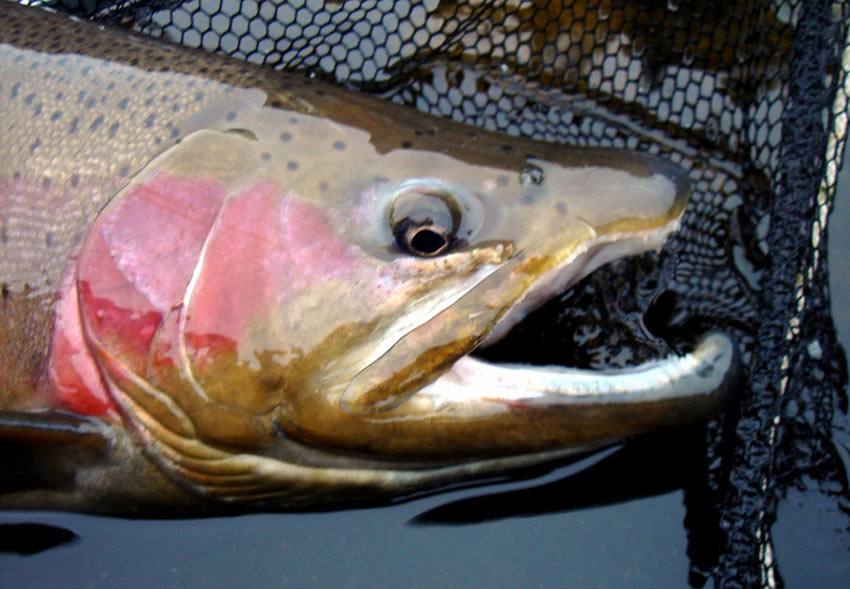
(424, 221)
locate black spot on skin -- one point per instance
(29, 98)
(14, 92)
(286, 136)
(150, 120)
(34, 145)
(199, 96)
(292, 166)
(90, 103)
(74, 125)
(406, 145)
(122, 104)
(175, 133)
(503, 180)
(60, 96)
(113, 129)
(339, 145)
(507, 148)
(110, 86)
(527, 199)
(323, 185)
(561, 207)
(418, 133)
(96, 123)
(123, 171)
(266, 156)
(75, 180)
(48, 239)
(293, 120)
(231, 116)
(56, 116)
(46, 182)
(381, 179)
(5, 286)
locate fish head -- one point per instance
(282, 280)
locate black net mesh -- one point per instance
(750, 97)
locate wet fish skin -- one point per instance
(318, 391)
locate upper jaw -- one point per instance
(579, 263)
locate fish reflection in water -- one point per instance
(228, 289)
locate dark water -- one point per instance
(638, 541)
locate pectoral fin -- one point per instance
(42, 450)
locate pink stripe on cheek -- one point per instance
(257, 261)
(265, 249)
(156, 232)
(316, 252)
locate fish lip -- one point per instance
(700, 381)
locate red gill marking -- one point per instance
(134, 266)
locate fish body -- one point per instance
(226, 287)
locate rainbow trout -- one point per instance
(228, 287)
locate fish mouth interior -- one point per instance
(571, 271)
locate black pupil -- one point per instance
(427, 241)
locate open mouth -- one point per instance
(707, 373)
